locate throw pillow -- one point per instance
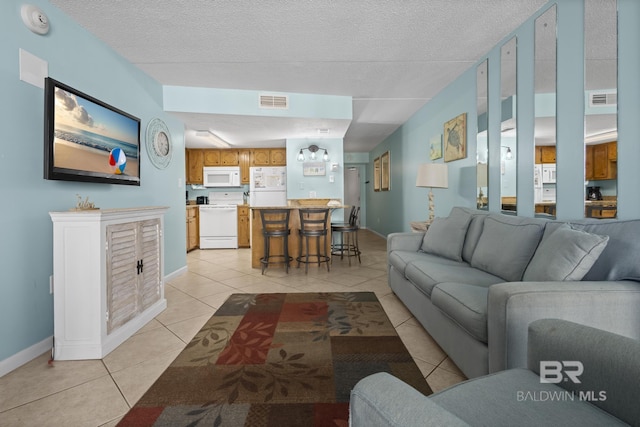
(506, 245)
(567, 254)
(445, 236)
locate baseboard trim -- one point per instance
(25, 356)
(175, 274)
(384, 236)
(28, 354)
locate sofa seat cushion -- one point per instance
(517, 397)
(429, 271)
(465, 304)
(400, 259)
(506, 245)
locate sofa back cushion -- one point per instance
(473, 230)
(507, 244)
(445, 236)
(565, 254)
(619, 260)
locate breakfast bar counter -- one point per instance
(257, 240)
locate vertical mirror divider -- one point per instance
(545, 142)
(482, 136)
(508, 126)
(570, 109)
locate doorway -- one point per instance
(351, 189)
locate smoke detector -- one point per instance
(34, 19)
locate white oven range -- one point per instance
(219, 220)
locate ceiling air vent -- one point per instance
(275, 102)
(603, 99)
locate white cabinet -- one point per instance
(107, 278)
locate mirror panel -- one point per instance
(601, 128)
(482, 137)
(508, 128)
(544, 178)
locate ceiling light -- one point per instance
(604, 136)
(215, 139)
(313, 149)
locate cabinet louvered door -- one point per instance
(149, 280)
(122, 276)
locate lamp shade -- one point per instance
(482, 175)
(433, 175)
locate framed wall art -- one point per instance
(455, 138)
(435, 147)
(313, 169)
(385, 171)
(376, 174)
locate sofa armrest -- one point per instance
(404, 241)
(512, 306)
(609, 363)
(383, 400)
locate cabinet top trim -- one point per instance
(108, 213)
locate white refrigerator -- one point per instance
(268, 186)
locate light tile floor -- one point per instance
(100, 392)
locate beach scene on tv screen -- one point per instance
(90, 137)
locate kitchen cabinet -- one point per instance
(212, 158)
(195, 163)
(269, 157)
(278, 156)
(244, 159)
(260, 157)
(548, 154)
(196, 159)
(588, 162)
(107, 278)
(612, 151)
(193, 235)
(243, 227)
(601, 162)
(545, 154)
(229, 157)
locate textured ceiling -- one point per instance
(390, 56)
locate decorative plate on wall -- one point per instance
(158, 142)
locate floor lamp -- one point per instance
(432, 175)
(482, 176)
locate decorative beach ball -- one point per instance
(117, 161)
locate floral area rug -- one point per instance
(277, 360)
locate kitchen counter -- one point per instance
(257, 240)
(600, 208)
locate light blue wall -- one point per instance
(80, 60)
(245, 102)
(299, 186)
(409, 144)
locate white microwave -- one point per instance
(549, 174)
(221, 176)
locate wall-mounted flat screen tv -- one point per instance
(88, 140)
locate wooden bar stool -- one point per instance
(348, 237)
(313, 224)
(275, 223)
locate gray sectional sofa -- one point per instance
(476, 280)
(606, 394)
